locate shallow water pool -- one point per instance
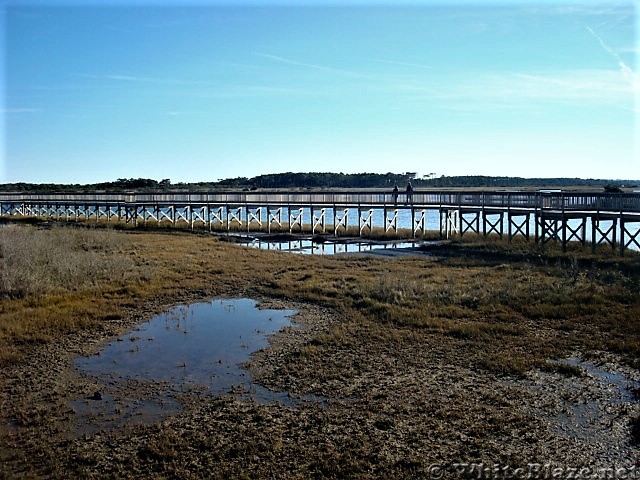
(202, 344)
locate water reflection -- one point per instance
(596, 401)
(308, 246)
(199, 346)
(624, 388)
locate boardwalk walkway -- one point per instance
(598, 218)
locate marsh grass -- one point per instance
(59, 280)
(36, 262)
(462, 317)
(514, 305)
(535, 306)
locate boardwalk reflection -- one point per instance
(311, 247)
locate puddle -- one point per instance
(596, 402)
(323, 246)
(623, 388)
(198, 347)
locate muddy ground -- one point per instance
(414, 408)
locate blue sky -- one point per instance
(202, 91)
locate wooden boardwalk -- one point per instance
(598, 218)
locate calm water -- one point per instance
(584, 413)
(431, 222)
(310, 247)
(202, 344)
(624, 387)
(404, 221)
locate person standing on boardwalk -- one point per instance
(395, 194)
(409, 193)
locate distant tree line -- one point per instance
(319, 180)
(120, 185)
(322, 180)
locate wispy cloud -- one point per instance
(626, 70)
(142, 79)
(523, 90)
(291, 62)
(256, 91)
(120, 78)
(314, 66)
(219, 89)
(623, 66)
(595, 9)
(239, 65)
(402, 64)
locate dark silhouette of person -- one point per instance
(395, 194)
(409, 193)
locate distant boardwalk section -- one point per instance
(611, 219)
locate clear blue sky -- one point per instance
(203, 91)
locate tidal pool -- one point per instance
(201, 345)
(309, 247)
(325, 246)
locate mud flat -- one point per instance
(408, 367)
(401, 410)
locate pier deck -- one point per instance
(598, 218)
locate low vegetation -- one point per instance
(474, 290)
(489, 307)
(37, 262)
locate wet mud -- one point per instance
(369, 411)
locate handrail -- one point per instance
(561, 201)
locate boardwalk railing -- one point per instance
(614, 217)
(567, 201)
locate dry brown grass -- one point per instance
(494, 295)
(36, 262)
(491, 309)
(60, 280)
